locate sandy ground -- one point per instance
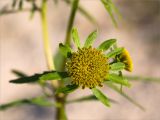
(21, 48)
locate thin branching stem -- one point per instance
(5, 12)
(70, 22)
(47, 47)
(61, 114)
(74, 8)
(84, 12)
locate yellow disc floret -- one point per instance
(87, 67)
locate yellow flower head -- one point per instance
(88, 67)
(126, 59)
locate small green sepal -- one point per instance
(67, 89)
(118, 79)
(76, 38)
(115, 52)
(65, 50)
(90, 39)
(117, 66)
(106, 44)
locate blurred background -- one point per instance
(21, 48)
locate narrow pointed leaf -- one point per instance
(67, 89)
(88, 98)
(117, 12)
(28, 79)
(110, 8)
(118, 79)
(19, 73)
(87, 15)
(20, 5)
(107, 44)
(115, 88)
(12, 104)
(90, 39)
(65, 50)
(143, 79)
(117, 66)
(54, 76)
(33, 10)
(14, 3)
(101, 97)
(76, 38)
(49, 75)
(115, 52)
(40, 101)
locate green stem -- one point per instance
(70, 26)
(61, 114)
(71, 20)
(48, 51)
(47, 48)
(84, 12)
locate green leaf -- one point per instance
(19, 73)
(117, 12)
(86, 98)
(143, 79)
(66, 89)
(87, 15)
(49, 75)
(109, 6)
(14, 3)
(118, 79)
(20, 5)
(29, 79)
(40, 101)
(90, 39)
(117, 66)
(33, 10)
(12, 104)
(54, 76)
(115, 88)
(107, 44)
(56, 1)
(65, 50)
(76, 38)
(115, 52)
(84, 12)
(101, 97)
